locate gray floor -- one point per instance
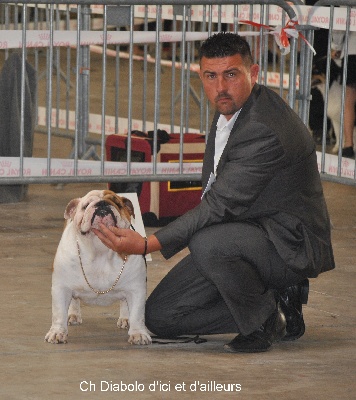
(320, 365)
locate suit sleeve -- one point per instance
(249, 162)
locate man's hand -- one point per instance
(122, 241)
(125, 241)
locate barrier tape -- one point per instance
(282, 34)
(35, 167)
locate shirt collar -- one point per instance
(223, 123)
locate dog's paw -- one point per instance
(335, 149)
(123, 323)
(140, 338)
(56, 336)
(74, 319)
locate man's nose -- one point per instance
(221, 84)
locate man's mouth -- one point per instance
(222, 98)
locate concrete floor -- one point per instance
(320, 365)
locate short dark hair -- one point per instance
(225, 44)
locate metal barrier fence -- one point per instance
(340, 18)
(83, 71)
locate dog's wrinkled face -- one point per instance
(99, 206)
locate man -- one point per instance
(262, 227)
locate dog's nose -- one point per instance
(102, 208)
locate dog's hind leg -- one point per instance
(123, 321)
(74, 314)
(337, 128)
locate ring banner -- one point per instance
(35, 167)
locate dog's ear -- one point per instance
(71, 208)
(129, 206)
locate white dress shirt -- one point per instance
(223, 129)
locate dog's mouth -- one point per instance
(103, 214)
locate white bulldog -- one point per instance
(85, 269)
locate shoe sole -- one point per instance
(231, 350)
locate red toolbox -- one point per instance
(163, 199)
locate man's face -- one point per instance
(227, 82)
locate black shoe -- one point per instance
(271, 331)
(291, 301)
(348, 152)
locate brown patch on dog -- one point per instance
(122, 204)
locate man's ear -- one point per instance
(254, 73)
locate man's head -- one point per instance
(226, 44)
(227, 71)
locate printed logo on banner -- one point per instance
(44, 36)
(9, 168)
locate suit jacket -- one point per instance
(267, 175)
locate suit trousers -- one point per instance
(225, 285)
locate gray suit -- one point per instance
(262, 225)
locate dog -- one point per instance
(84, 269)
(334, 107)
(334, 96)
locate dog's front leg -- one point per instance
(138, 333)
(61, 298)
(123, 321)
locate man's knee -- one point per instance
(203, 245)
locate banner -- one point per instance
(38, 167)
(34, 167)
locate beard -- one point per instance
(225, 105)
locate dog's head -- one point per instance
(99, 206)
(319, 72)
